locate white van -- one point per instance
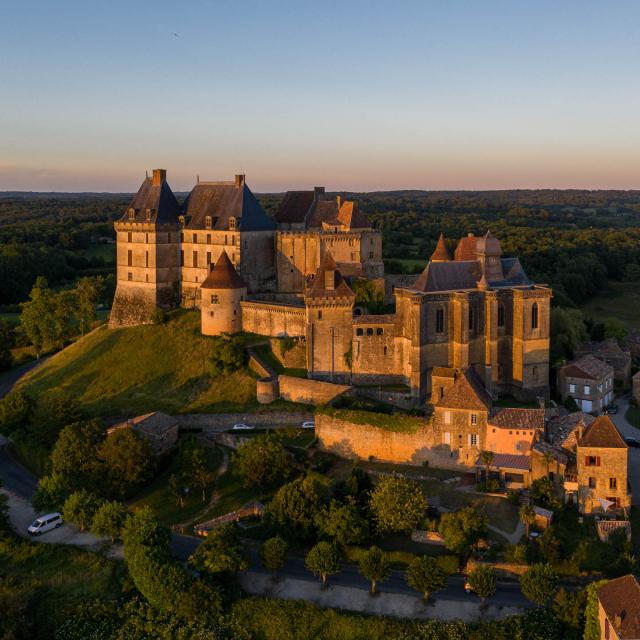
(45, 523)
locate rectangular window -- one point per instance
(146, 258)
(613, 483)
(474, 418)
(319, 315)
(501, 315)
(359, 332)
(214, 298)
(592, 482)
(447, 437)
(208, 238)
(208, 258)
(369, 331)
(182, 257)
(379, 331)
(129, 237)
(447, 417)
(195, 238)
(587, 389)
(129, 258)
(370, 255)
(439, 320)
(592, 461)
(473, 439)
(572, 388)
(195, 258)
(130, 276)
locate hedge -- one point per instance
(398, 422)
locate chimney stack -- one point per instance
(239, 180)
(318, 191)
(159, 176)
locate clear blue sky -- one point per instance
(351, 95)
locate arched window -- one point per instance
(534, 315)
(207, 222)
(500, 314)
(132, 213)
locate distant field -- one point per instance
(622, 301)
(114, 372)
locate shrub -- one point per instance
(79, 509)
(539, 583)
(397, 504)
(263, 461)
(108, 520)
(273, 553)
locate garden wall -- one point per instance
(221, 421)
(309, 391)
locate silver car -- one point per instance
(43, 524)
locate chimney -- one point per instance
(239, 180)
(318, 191)
(617, 621)
(329, 280)
(339, 201)
(159, 176)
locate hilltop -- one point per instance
(138, 369)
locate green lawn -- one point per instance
(158, 495)
(620, 301)
(133, 370)
(265, 352)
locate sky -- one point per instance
(353, 95)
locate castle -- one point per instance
(292, 276)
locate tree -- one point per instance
(87, 294)
(374, 566)
(200, 473)
(109, 519)
(528, 517)
(568, 329)
(128, 460)
(51, 493)
(343, 523)
(368, 295)
(175, 487)
(543, 494)
(273, 553)
(462, 529)
(487, 459)
(15, 410)
(539, 583)
(615, 328)
(221, 552)
(227, 355)
(425, 575)
(295, 506)
(569, 606)
(52, 411)
(37, 318)
(79, 508)
(324, 559)
(483, 581)
(263, 461)
(64, 306)
(548, 458)
(74, 454)
(397, 504)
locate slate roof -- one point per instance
(602, 433)
(514, 418)
(317, 287)
(221, 201)
(459, 275)
(506, 461)
(588, 367)
(467, 392)
(294, 206)
(620, 599)
(561, 431)
(336, 211)
(223, 275)
(159, 199)
(441, 252)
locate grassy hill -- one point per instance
(128, 371)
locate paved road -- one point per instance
(9, 378)
(628, 430)
(14, 476)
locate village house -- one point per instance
(158, 429)
(619, 609)
(589, 381)
(609, 351)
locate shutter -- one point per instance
(597, 461)
(586, 461)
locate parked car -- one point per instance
(43, 524)
(611, 409)
(310, 424)
(241, 427)
(632, 442)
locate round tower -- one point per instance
(222, 291)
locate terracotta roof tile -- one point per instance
(467, 392)
(514, 418)
(506, 461)
(223, 275)
(441, 252)
(318, 288)
(466, 249)
(620, 599)
(602, 433)
(588, 367)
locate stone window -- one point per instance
(208, 258)
(225, 239)
(182, 257)
(359, 332)
(195, 258)
(572, 388)
(534, 315)
(592, 482)
(471, 319)
(587, 389)
(500, 314)
(474, 418)
(214, 298)
(211, 314)
(370, 255)
(369, 331)
(129, 237)
(384, 351)
(146, 238)
(439, 320)
(129, 276)
(592, 461)
(208, 238)
(613, 483)
(129, 258)
(182, 236)
(379, 331)
(232, 223)
(447, 437)
(148, 215)
(473, 439)
(447, 417)
(195, 238)
(207, 223)
(132, 214)
(319, 315)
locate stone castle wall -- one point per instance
(358, 441)
(273, 319)
(217, 422)
(293, 358)
(309, 391)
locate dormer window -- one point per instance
(232, 223)
(148, 215)
(207, 222)
(132, 213)
(181, 220)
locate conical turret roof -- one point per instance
(441, 254)
(223, 275)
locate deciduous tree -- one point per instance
(324, 559)
(424, 575)
(79, 508)
(397, 504)
(343, 523)
(221, 552)
(263, 461)
(539, 583)
(109, 519)
(273, 553)
(462, 529)
(374, 566)
(483, 581)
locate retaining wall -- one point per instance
(309, 391)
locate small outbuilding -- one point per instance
(159, 429)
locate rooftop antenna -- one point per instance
(198, 179)
(146, 173)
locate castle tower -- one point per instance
(489, 252)
(147, 244)
(222, 291)
(441, 253)
(329, 302)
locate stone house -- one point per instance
(589, 381)
(159, 429)
(632, 343)
(619, 609)
(602, 467)
(609, 351)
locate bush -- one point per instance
(397, 504)
(79, 509)
(273, 553)
(109, 519)
(228, 355)
(263, 461)
(539, 583)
